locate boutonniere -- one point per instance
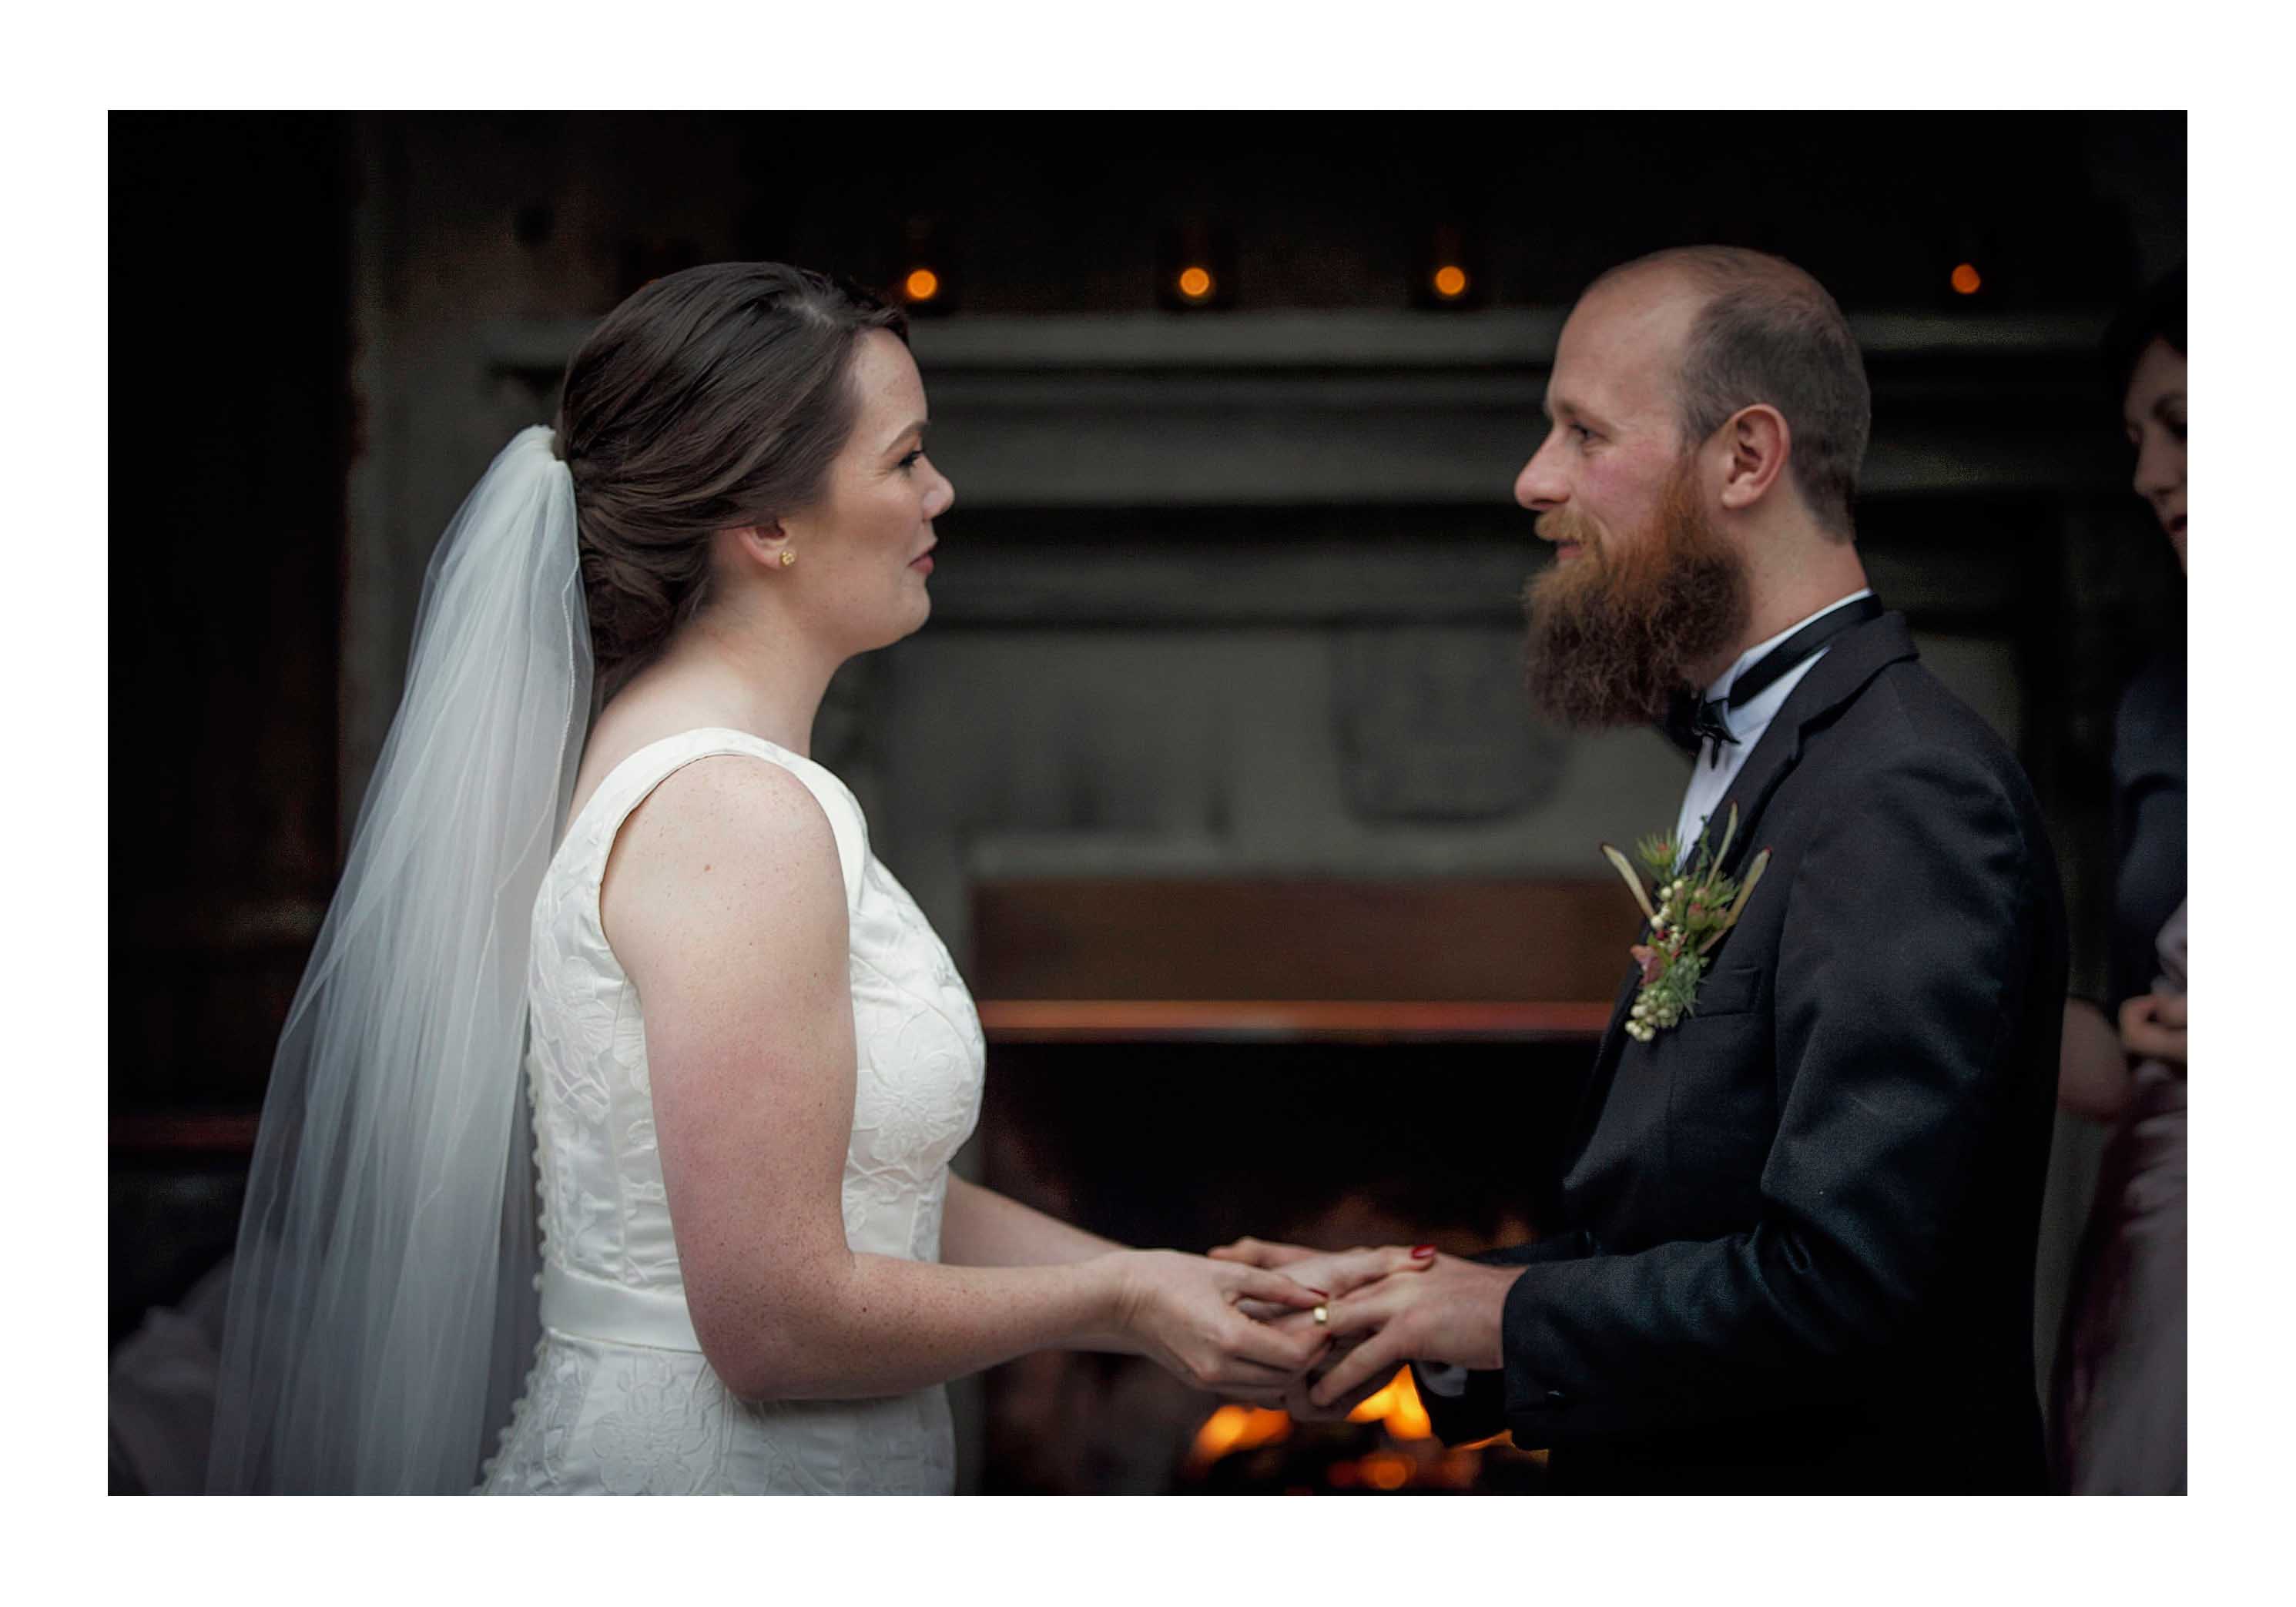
(1688, 912)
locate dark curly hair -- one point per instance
(713, 397)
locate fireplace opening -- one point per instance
(1187, 1144)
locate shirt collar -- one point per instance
(1752, 655)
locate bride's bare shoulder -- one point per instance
(727, 842)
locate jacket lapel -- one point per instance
(1596, 1088)
(1853, 659)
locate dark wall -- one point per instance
(229, 343)
(229, 435)
(1078, 214)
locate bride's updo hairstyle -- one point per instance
(713, 397)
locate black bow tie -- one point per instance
(1691, 721)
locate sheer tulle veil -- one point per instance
(382, 1311)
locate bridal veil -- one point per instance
(382, 1307)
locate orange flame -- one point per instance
(1232, 1429)
(1386, 1470)
(1236, 1428)
(1397, 1407)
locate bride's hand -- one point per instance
(1330, 1272)
(1181, 1311)
(2151, 1027)
(1261, 1252)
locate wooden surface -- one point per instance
(1286, 1021)
(1446, 942)
(185, 1132)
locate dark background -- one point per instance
(323, 325)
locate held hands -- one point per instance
(1329, 1272)
(1452, 1311)
(1182, 1312)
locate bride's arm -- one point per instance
(724, 903)
(983, 1228)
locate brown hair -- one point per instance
(713, 397)
(1769, 333)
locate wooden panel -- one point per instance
(185, 1132)
(1285, 1020)
(1511, 942)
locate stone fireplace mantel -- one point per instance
(1303, 409)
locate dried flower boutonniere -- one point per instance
(1688, 911)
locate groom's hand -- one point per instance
(1298, 1398)
(1453, 1312)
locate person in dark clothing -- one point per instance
(1799, 1212)
(2119, 1394)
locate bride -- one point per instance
(746, 1059)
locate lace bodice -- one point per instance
(605, 1215)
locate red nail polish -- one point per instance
(1421, 1252)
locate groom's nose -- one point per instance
(1538, 486)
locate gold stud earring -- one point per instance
(787, 557)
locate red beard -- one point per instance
(1631, 621)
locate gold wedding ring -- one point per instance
(1323, 1316)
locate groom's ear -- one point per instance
(1758, 440)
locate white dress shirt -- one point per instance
(1709, 782)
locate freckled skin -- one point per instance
(724, 900)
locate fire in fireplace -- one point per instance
(1192, 1144)
(1182, 1063)
(1385, 1446)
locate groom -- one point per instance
(1795, 1251)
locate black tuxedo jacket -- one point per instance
(1798, 1228)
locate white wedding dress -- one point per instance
(622, 1401)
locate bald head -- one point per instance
(1757, 329)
